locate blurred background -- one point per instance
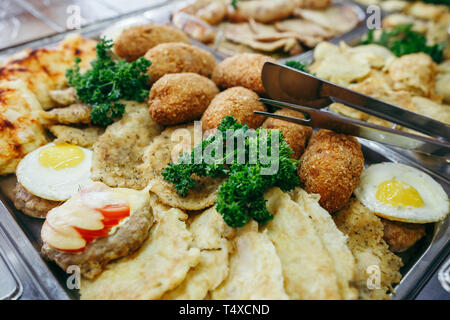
(22, 21)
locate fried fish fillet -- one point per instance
(209, 233)
(308, 269)
(333, 239)
(365, 240)
(166, 148)
(20, 127)
(255, 269)
(118, 152)
(158, 266)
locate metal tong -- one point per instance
(291, 86)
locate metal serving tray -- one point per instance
(24, 274)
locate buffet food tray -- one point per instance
(26, 275)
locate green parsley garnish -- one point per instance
(109, 80)
(241, 197)
(296, 65)
(403, 40)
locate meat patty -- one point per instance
(126, 239)
(401, 235)
(331, 166)
(30, 204)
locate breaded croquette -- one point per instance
(241, 70)
(180, 97)
(296, 135)
(179, 57)
(331, 166)
(401, 235)
(135, 41)
(238, 102)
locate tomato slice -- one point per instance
(115, 211)
(90, 235)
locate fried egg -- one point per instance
(55, 171)
(398, 192)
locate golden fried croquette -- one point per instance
(401, 235)
(296, 135)
(238, 102)
(241, 70)
(331, 166)
(180, 97)
(179, 57)
(135, 41)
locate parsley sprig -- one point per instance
(109, 80)
(241, 197)
(403, 40)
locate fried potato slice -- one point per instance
(255, 269)
(365, 240)
(83, 137)
(333, 239)
(166, 148)
(118, 152)
(209, 233)
(157, 267)
(308, 269)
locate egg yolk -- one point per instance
(398, 194)
(61, 156)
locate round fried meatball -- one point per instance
(401, 235)
(179, 57)
(241, 70)
(135, 41)
(238, 102)
(296, 135)
(180, 97)
(331, 166)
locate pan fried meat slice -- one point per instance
(210, 234)
(73, 114)
(83, 137)
(118, 152)
(213, 13)
(261, 10)
(365, 240)
(333, 239)
(268, 42)
(63, 97)
(20, 127)
(255, 269)
(305, 30)
(194, 27)
(160, 265)
(339, 17)
(166, 148)
(308, 269)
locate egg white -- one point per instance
(435, 207)
(52, 184)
